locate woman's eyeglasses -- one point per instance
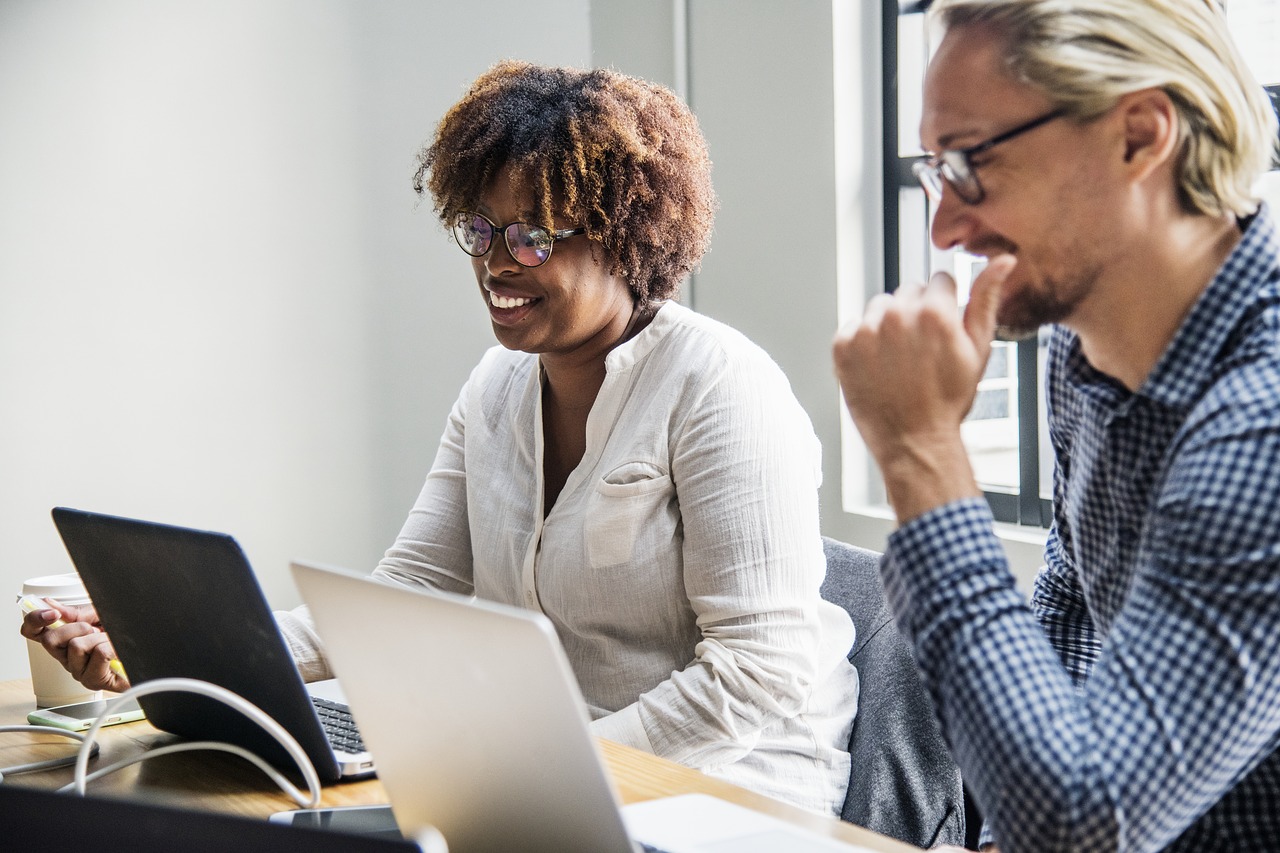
(956, 166)
(529, 245)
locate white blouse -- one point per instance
(680, 564)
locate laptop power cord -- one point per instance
(89, 745)
(48, 764)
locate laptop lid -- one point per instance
(185, 603)
(474, 712)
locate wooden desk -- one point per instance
(221, 782)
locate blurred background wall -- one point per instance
(223, 306)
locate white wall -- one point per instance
(788, 97)
(219, 306)
(763, 79)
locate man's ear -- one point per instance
(1150, 122)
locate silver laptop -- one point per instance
(481, 732)
(185, 603)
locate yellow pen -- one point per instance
(32, 603)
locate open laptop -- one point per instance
(185, 603)
(480, 730)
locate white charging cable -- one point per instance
(47, 764)
(213, 691)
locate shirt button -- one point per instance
(529, 598)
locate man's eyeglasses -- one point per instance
(530, 245)
(956, 168)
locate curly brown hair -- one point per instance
(619, 155)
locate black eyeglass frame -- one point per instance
(505, 230)
(955, 166)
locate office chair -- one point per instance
(903, 782)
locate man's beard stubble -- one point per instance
(1021, 314)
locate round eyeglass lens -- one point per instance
(955, 168)
(929, 179)
(473, 233)
(529, 244)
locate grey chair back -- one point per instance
(904, 782)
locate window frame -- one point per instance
(1024, 506)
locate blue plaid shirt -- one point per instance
(1135, 704)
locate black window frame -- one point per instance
(1023, 506)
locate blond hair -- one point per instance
(1086, 54)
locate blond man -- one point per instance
(1102, 155)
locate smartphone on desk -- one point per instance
(80, 716)
(377, 821)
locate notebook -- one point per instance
(480, 730)
(185, 603)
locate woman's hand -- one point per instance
(73, 635)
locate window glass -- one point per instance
(913, 56)
(990, 432)
(1255, 25)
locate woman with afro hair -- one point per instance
(640, 474)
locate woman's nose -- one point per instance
(499, 257)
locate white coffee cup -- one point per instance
(52, 684)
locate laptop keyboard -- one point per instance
(339, 726)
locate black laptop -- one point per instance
(33, 820)
(185, 603)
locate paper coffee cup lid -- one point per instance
(54, 585)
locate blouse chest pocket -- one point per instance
(631, 501)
